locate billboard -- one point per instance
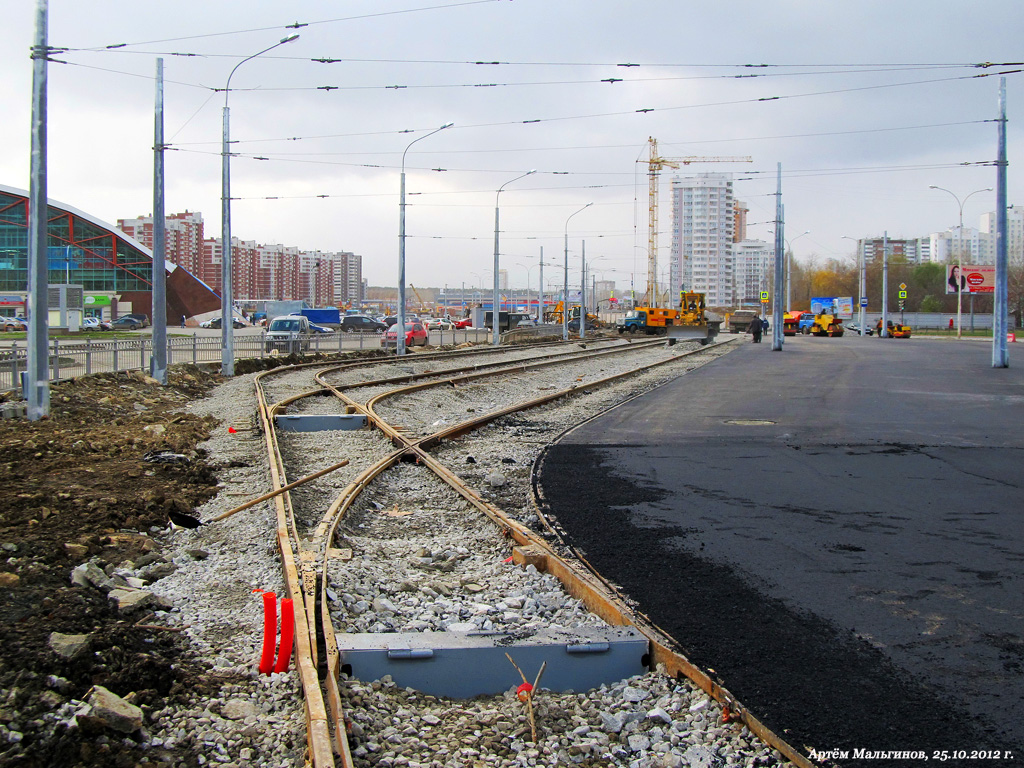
(841, 306)
(972, 279)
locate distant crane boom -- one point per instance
(654, 164)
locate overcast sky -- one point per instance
(865, 104)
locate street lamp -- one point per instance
(960, 251)
(863, 279)
(789, 265)
(227, 332)
(400, 321)
(496, 304)
(565, 275)
(529, 269)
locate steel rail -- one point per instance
(579, 580)
(411, 377)
(518, 367)
(300, 576)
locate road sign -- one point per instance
(903, 294)
(863, 301)
(903, 286)
(764, 297)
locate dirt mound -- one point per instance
(78, 488)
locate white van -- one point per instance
(288, 334)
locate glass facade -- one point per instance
(79, 251)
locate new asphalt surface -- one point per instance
(835, 529)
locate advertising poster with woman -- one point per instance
(970, 279)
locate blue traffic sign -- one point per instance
(863, 301)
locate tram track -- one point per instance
(321, 550)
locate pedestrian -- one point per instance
(764, 325)
(755, 329)
(182, 321)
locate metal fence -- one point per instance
(69, 359)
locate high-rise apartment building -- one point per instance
(1014, 233)
(348, 279)
(703, 227)
(183, 239)
(752, 271)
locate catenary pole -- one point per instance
(1000, 353)
(540, 290)
(159, 308)
(884, 333)
(37, 371)
(583, 290)
(779, 246)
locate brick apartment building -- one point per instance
(259, 272)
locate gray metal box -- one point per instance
(461, 665)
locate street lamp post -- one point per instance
(495, 308)
(227, 331)
(400, 317)
(862, 269)
(565, 275)
(789, 266)
(959, 251)
(529, 269)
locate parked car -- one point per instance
(463, 323)
(527, 322)
(126, 323)
(390, 320)
(362, 323)
(214, 322)
(440, 324)
(95, 324)
(288, 334)
(13, 324)
(415, 334)
(320, 328)
(142, 318)
(854, 328)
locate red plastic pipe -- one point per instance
(287, 635)
(269, 632)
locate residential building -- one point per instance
(183, 239)
(739, 233)
(703, 227)
(752, 271)
(1014, 232)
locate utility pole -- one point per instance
(37, 370)
(780, 241)
(540, 290)
(1000, 354)
(158, 368)
(884, 333)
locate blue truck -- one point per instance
(326, 316)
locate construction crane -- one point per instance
(655, 164)
(423, 305)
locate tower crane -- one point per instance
(654, 164)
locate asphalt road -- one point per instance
(860, 494)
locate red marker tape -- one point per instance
(287, 635)
(269, 632)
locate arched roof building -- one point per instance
(82, 250)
